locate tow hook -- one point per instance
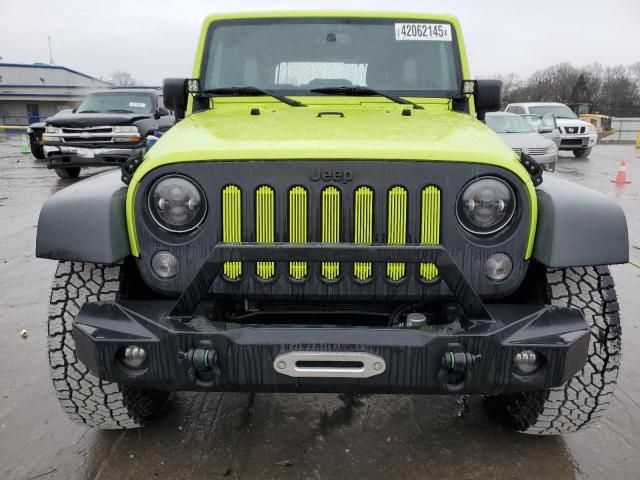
(457, 367)
(458, 362)
(202, 362)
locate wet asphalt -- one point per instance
(287, 436)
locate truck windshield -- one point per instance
(112, 102)
(296, 56)
(558, 111)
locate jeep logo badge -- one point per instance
(338, 176)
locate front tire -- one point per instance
(583, 399)
(86, 399)
(37, 150)
(582, 152)
(35, 144)
(69, 172)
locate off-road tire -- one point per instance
(69, 172)
(85, 398)
(582, 152)
(583, 399)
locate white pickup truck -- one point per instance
(575, 134)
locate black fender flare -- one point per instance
(578, 226)
(85, 222)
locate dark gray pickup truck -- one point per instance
(107, 128)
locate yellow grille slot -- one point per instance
(232, 225)
(265, 227)
(396, 227)
(363, 227)
(430, 227)
(330, 228)
(298, 227)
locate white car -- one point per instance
(575, 134)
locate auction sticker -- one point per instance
(137, 104)
(423, 31)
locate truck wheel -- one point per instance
(583, 399)
(37, 151)
(85, 398)
(35, 139)
(69, 172)
(582, 152)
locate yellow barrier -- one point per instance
(638, 140)
(13, 127)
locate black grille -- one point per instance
(347, 176)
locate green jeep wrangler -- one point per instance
(331, 215)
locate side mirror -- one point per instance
(174, 91)
(161, 112)
(488, 97)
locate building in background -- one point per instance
(30, 92)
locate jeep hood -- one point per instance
(330, 131)
(79, 120)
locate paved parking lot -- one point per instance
(288, 436)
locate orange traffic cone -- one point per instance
(621, 177)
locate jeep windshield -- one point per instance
(112, 102)
(304, 56)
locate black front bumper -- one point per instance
(475, 353)
(102, 155)
(244, 357)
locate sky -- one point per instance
(154, 39)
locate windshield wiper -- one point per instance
(87, 111)
(357, 90)
(250, 90)
(120, 110)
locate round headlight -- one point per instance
(485, 205)
(177, 203)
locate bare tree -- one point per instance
(123, 78)
(511, 84)
(619, 93)
(610, 90)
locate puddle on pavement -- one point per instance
(324, 436)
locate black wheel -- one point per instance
(37, 151)
(583, 399)
(85, 398)
(581, 152)
(69, 172)
(35, 139)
